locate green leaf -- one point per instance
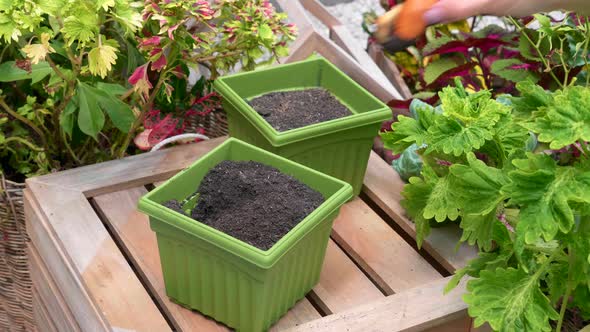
(90, 116)
(126, 13)
(510, 300)
(479, 229)
(468, 121)
(437, 68)
(101, 59)
(8, 28)
(544, 190)
(9, 72)
(408, 131)
(255, 53)
(111, 88)
(557, 281)
(544, 21)
(478, 187)
(105, 4)
(67, 117)
(567, 120)
(525, 48)
(282, 51)
(416, 195)
(582, 299)
(81, 28)
(580, 250)
(119, 112)
(418, 107)
(106, 101)
(484, 261)
(503, 68)
(265, 33)
(513, 137)
(427, 198)
(532, 98)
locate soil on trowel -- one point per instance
(285, 110)
(252, 202)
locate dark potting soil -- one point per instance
(285, 110)
(252, 202)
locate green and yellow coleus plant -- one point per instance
(80, 78)
(526, 205)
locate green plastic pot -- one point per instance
(238, 284)
(339, 147)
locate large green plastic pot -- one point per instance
(235, 283)
(339, 147)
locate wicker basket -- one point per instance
(214, 124)
(16, 312)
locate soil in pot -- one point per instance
(285, 110)
(252, 202)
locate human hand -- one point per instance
(454, 10)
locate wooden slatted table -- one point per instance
(96, 267)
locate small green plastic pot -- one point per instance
(236, 283)
(339, 147)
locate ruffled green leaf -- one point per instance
(567, 120)
(429, 197)
(544, 191)
(468, 121)
(510, 300)
(478, 187)
(484, 261)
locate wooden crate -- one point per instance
(96, 267)
(371, 58)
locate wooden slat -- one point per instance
(131, 228)
(49, 293)
(317, 43)
(383, 186)
(86, 264)
(389, 69)
(73, 290)
(302, 312)
(318, 10)
(296, 14)
(43, 320)
(379, 250)
(342, 37)
(125, 173)
(417, 309)
(461, 324)
(132, 231)
(342, 284)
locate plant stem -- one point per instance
(25, 142)
(213, 57)
(584, 53)
(563, 63)
(69, 148)
(55, 69)
(146, 107)
(127, 94)
(568, 291)
(25, 121)
(539, 53)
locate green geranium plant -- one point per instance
(525, 204)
